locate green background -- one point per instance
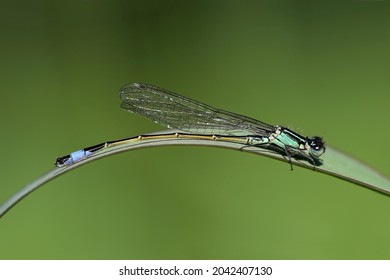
(318, 67)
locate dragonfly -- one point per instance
(196, 120)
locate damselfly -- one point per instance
(197, 120)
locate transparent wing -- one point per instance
(178, 112)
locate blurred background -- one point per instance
(321, 68)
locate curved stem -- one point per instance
(334, 163)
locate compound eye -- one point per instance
(317, 146)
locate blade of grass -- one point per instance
(334, 163)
